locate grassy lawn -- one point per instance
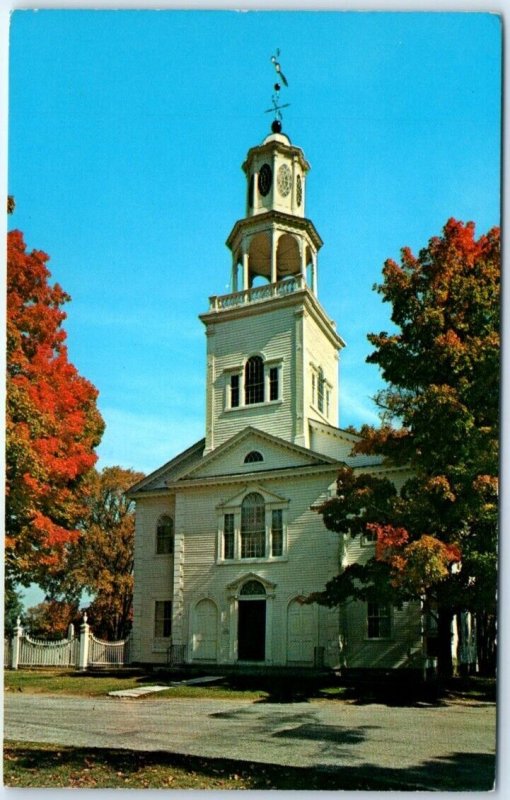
(259, 688)
(28, 764)
(73, 682)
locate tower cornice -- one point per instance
(260, 222)
(274, 144)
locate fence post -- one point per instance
(15, 644)
(84, 643)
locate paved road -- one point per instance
(425, 745)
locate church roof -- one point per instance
(227, 461)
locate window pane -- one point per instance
(378, 621)
(234, 391)
(273, 383)
(253, 526)
(253, 456)
(277, 533)
(254, 380)
(320, 392)
(228, 536)
(165, 536)
(163, 619)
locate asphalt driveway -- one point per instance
(427, 747)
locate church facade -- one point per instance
(228, 539)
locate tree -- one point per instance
(437, 539)
(101, 561)
(51, 619)
(52, 424)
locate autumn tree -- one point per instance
(101, 561)
(51, 619)
(52, 423)
(437, 538)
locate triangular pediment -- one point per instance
(234, 588)
(171, 471)
(237, 499)
(252, 451)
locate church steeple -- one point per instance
(272, 351)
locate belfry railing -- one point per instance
(257, 293)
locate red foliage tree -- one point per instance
(437, 538)
(52, 423)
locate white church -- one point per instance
(228, 537)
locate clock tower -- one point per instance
(272, 351)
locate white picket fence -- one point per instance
(82, 652)
(40, 653)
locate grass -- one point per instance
(30, 764)
(260, 688)
(95, 685)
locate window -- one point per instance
(252, 588)
(313, 388)
(273, 383)
(228, 536)
(234, 391)
(165, 536)
(162, 619)
(254, 381)
(253, 526)
(368, 537)
(253, 456)
(320, 391)
(277, 532)
(378, 621)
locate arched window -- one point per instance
(165, 536)
(253, 526)
(251, 588)
(254, 381)
(253, 456)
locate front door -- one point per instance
(251, 630)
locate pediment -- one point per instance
(234, 588)
(270, 498)
(235, 457)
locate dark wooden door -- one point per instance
(251, 631)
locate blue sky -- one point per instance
(127, 131)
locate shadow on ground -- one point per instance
(39, 766)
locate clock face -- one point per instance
(299, 190)
(284, 180)
(265, 178)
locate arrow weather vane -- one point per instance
(277, 108)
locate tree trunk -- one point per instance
(486, 643)
(444, 635)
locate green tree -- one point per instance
(437, 539)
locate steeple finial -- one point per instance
(276, 125)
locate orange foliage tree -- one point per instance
(52, 424)
(437, 538)
(101, 562)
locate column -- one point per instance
(84, 644)
(274, 249)
(234, 273)
(314, 273)
(246, 271)
(15, 644)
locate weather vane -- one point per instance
(277, 107)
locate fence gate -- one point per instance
(107, 654)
